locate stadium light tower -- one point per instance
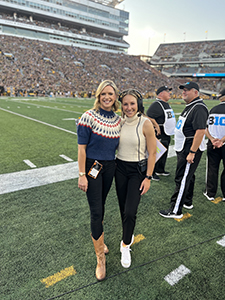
(150, 34)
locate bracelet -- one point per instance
(192, 151)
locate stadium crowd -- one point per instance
(44, 68)
(190, 51)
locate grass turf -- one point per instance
(46, 229)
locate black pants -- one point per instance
(184, 179)
(160, 165)
(128, 182)
(97, 192)
(214, 157)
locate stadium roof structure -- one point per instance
(112, 3)
(89, 24)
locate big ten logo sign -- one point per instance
(217, 121)
(170, 114)
(179, 123)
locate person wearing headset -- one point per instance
(135, 162)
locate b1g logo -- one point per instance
(217, 121)
(170, 114)
(179, 123)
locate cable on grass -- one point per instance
(139, 266)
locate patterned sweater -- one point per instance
(100, 131)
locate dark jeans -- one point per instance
(97, 192)
(128, 181)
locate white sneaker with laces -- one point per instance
(125, 253)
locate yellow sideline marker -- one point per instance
(185, 216)
(138, 238)
(51, 280)
(217, 200)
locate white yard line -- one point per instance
(23, 180)
(38, 121)
(171, 151)
(45, 106)
(176, 275)
(29, 163)
(221, 242)
(66, 157)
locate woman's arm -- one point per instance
(82, 181)
(156, 125)
(149, 134)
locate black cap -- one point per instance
(163, 88)
(221, 94)
(189, 86)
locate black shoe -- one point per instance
(155, 177)
(170, 214)
(165, 173)
(208, 197)
(188, 206)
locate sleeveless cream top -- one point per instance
(132, 144)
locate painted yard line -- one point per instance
(29, 163)
(44, 123)
(51, 280)
(12, 182)
(66, 157)
(176, 275)
(171, 151)
(75, 112)
(221, 242)
(138, 238)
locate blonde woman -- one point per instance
(98, 138)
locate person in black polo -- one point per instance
(215, 148)
(189, 145)
(161, 112)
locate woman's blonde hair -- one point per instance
(100, 88)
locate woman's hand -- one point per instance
(145, 185)
(83, 183)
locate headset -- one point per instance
(137, 95)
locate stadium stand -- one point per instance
(202, 61)
(42, 68)
(66, 47)
(88, 24)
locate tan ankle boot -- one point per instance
(106, 250)
(99, 251)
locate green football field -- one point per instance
(46, 249)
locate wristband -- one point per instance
(192, 151)
(149, 177)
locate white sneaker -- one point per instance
(125, 254)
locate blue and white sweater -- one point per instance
(100, 131)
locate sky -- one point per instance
(153, 22)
